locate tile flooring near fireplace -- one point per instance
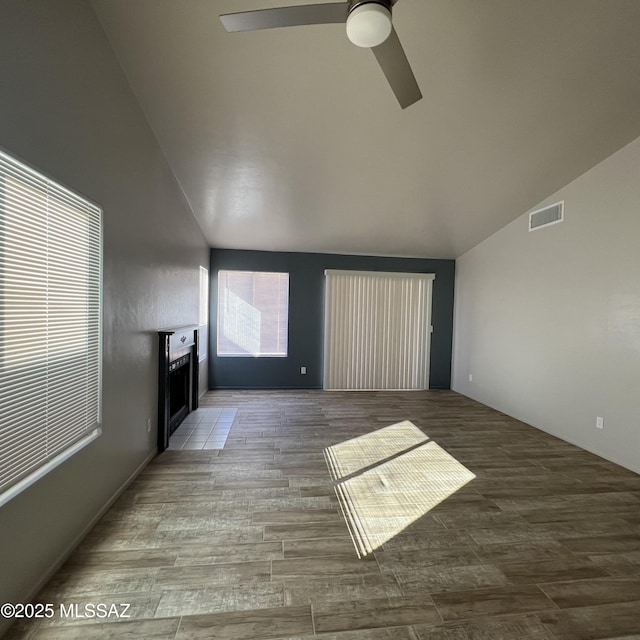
(204, 428)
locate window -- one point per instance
(203, 315)
(50, 324)
(253, 313)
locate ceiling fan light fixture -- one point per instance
(369, 25)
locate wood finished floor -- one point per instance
(249, 541)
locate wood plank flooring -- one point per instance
(474, 526)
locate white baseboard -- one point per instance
(575, 443)
(62, 558)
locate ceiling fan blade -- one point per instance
(391, 57)
(327, 13)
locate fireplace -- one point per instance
(177, 379)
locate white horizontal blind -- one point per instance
(50, 324)
(377, 330)
(203, 316)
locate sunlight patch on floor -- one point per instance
(388, 479)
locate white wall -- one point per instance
(66, 108)
(548, 322)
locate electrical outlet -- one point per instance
(470, 377)
(148, 425)
(303, 370)
(599, 423)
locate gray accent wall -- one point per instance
(548, 322)
(67, 109)
(306, 316)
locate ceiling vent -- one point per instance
(547, 216)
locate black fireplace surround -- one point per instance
(177, 379)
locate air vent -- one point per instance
(547, 216)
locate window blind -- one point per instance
(377, 330)
(50, 324)
(203, 316)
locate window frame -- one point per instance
(203, 315)
(219, 314)
(46, 442)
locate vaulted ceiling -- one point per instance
(291, 139)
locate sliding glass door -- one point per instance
(377, 330)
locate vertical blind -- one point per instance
(377, 330)
(50, 324)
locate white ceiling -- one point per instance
(291, 140)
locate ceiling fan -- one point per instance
(368, 25)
